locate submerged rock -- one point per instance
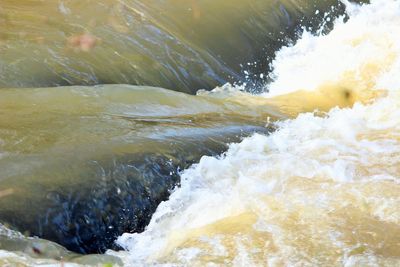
(18, 250)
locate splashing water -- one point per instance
(321, 190)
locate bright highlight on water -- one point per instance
(321, 190)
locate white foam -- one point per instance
(313, 182)
(369, 37)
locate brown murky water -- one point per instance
(322, 189)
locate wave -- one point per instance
(321, 190)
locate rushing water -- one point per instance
(182, 45)
(82, 165)
(322, 189)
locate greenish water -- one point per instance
(80, 164)
(183, 45)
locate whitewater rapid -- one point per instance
(323, 189)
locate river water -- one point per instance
(321, 190)
(183, 45)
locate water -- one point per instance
(85, 162)
(175, 44)
(322, 189)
